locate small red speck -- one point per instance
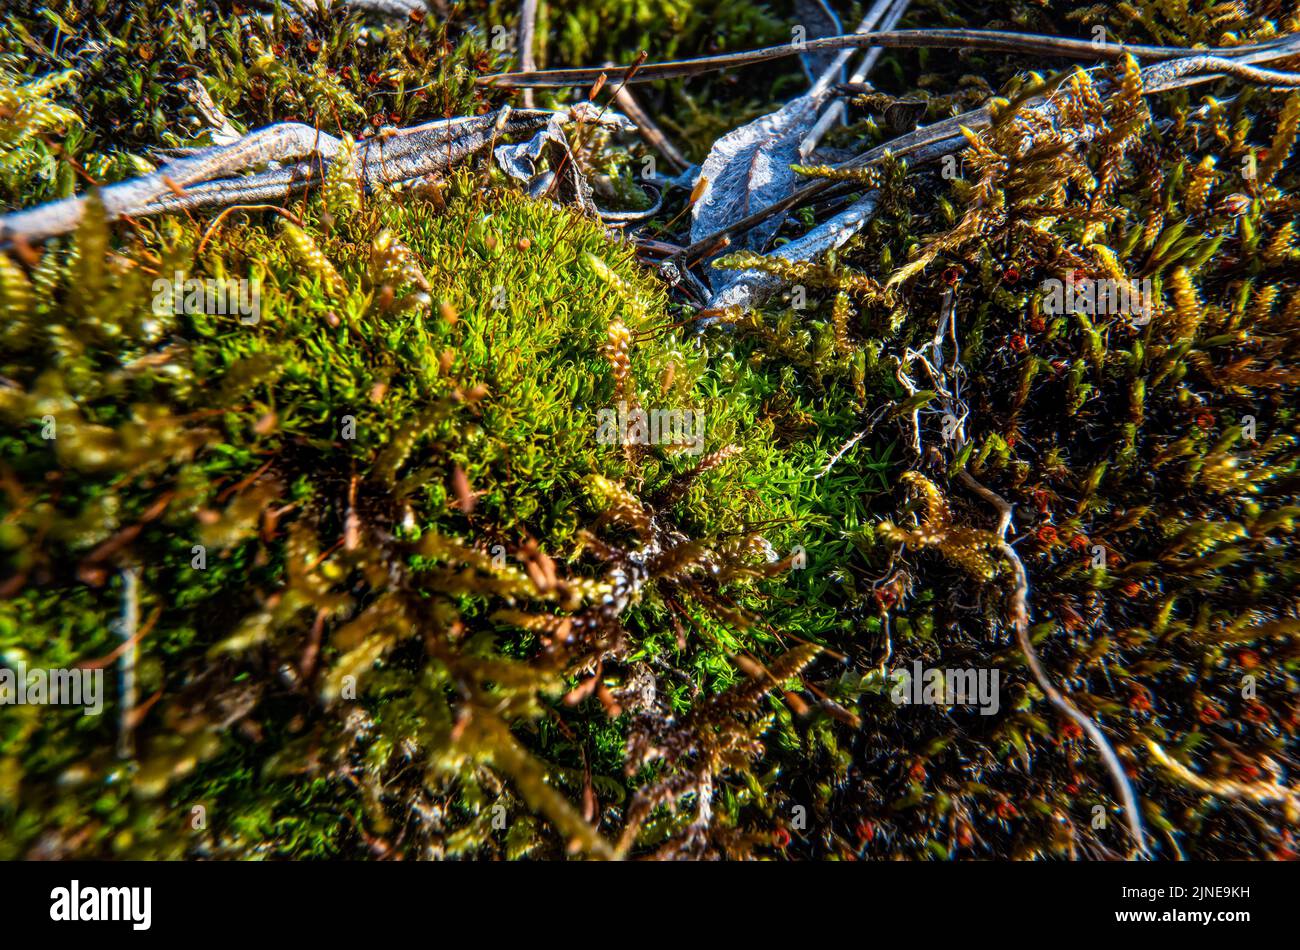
(917, 772)
(866, 831)
(951, 275)
(1006, 810)
(278, 49)
(373, 78)
(377, 119)
(1011, 275)
(1047, 534)
(1131, 589)
(1249, 772)
(394, 117)
(1079, 542)
(1072, 788)
(1018, 342)
(1209, 714)
(1257, 713)
(1139, 702)
(1248, 659)
(965, 837)
(1012, 439)
(1072, 730)
(781, 838)
(1037, 323)
(1205, 420)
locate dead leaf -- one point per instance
(751, 287)
(521, 161)
(749, 169)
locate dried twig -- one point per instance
(527, 26)
(945, 137)
(891, 15)
(202, 178)
(992, 40)
(852, 441)
(1004, 508)
(393, 8)
(649, 130)
(830, 75)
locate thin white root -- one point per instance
(1020, 620)
(128, 625)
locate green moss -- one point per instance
(436, 616)
(419, 338)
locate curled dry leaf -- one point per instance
(749, 168)
(520, 161)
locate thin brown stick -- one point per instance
(947, 136)
(649, 130)
(1004, 508)
(885, 14)
(130, 643)
(989, 40)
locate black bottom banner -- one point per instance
(339, 900)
